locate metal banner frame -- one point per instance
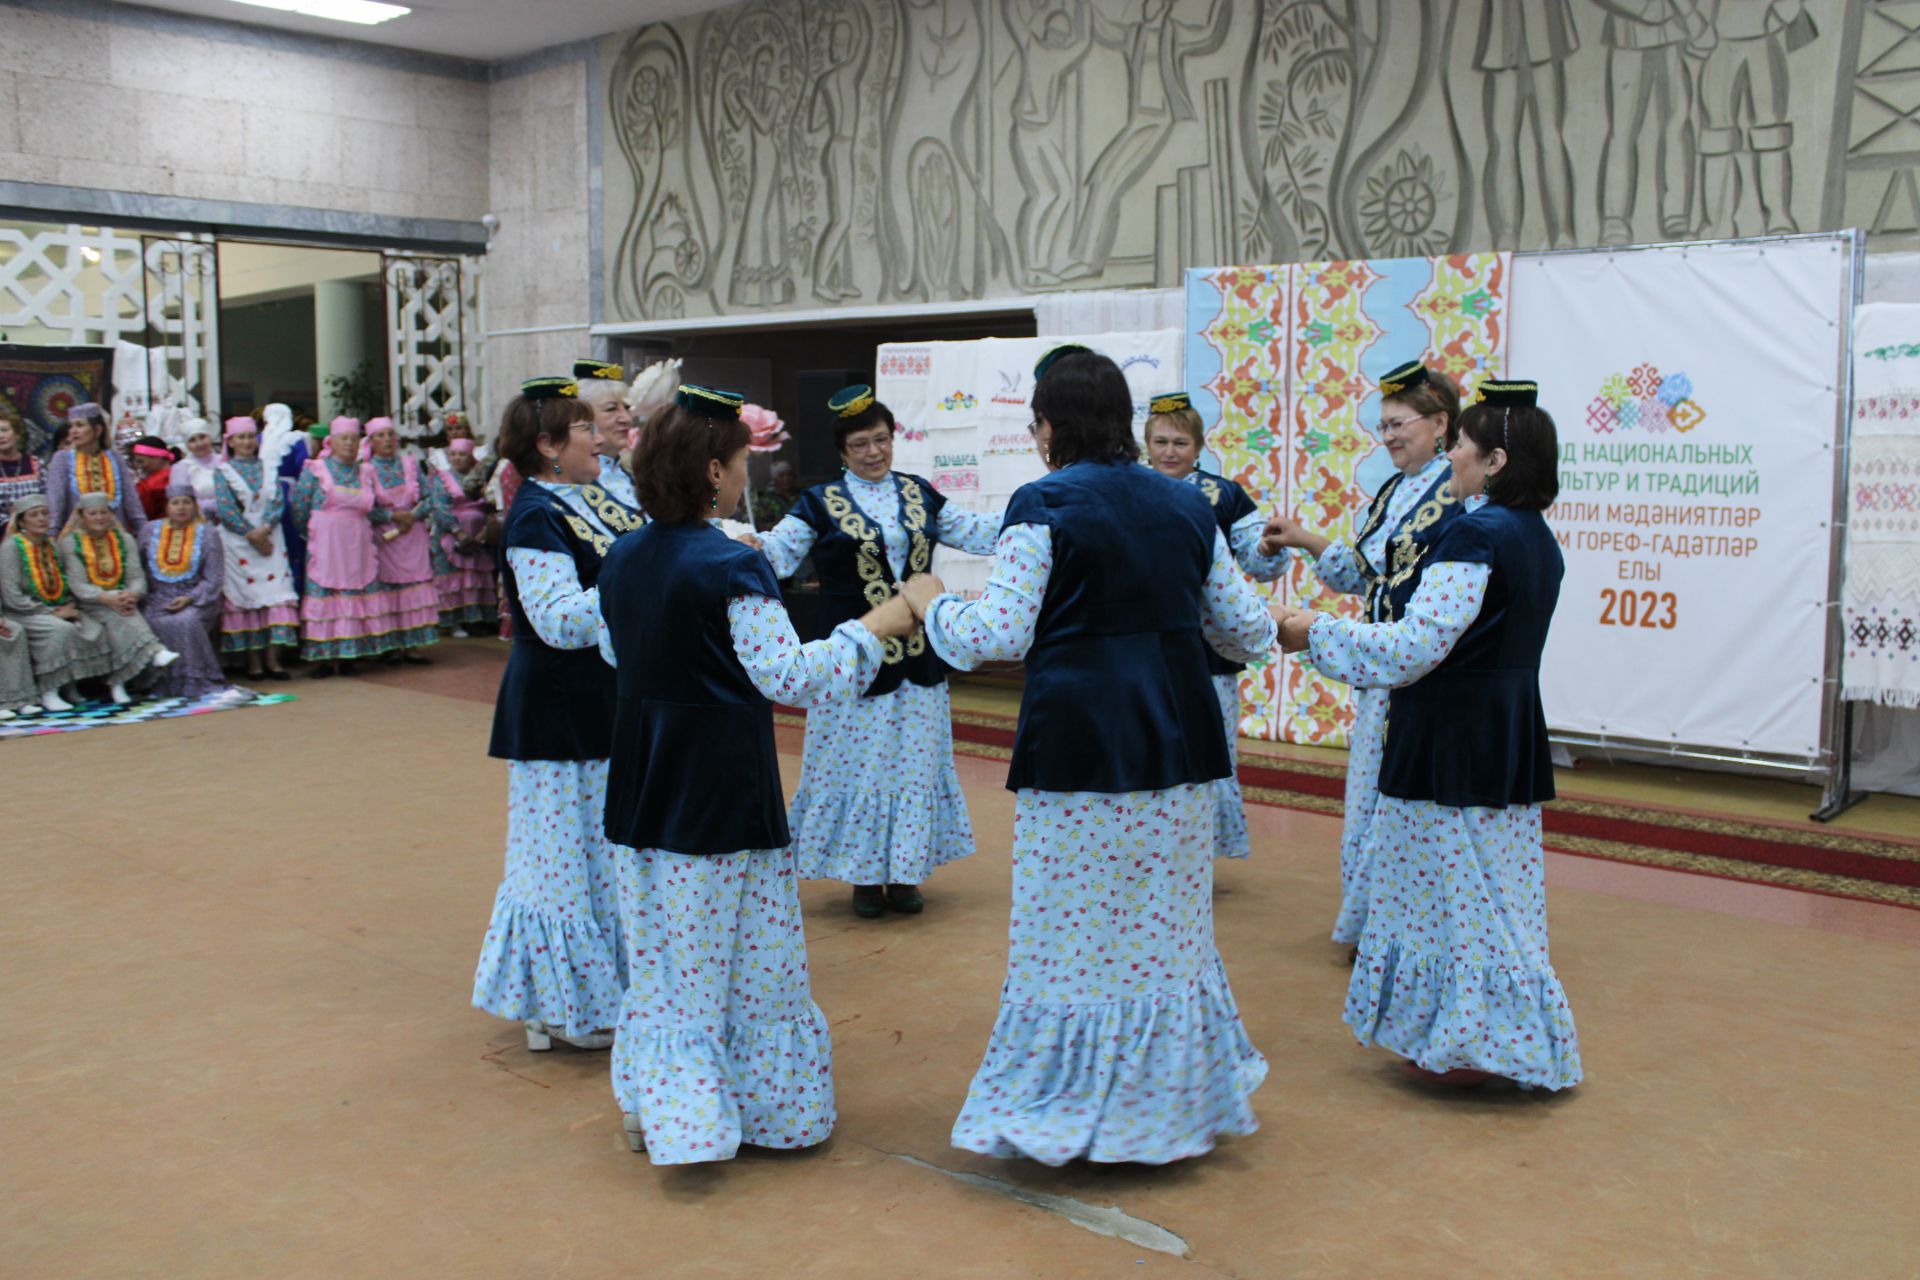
(1835, 759)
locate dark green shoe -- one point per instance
(906, 899)
(869, 901)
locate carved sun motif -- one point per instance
(1400, 206)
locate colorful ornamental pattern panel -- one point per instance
(1284, 363)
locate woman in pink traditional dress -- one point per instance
(262, 612)
(403, 545)
(462, 567)
(343, 616)
(501, 489)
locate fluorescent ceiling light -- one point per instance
(365, 12)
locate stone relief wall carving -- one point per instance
(806, 153)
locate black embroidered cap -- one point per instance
(1402, 378)
(604, 370)
(550, 388)
(851, 402)
(1169, 402)
(1512, 395)
(709, 403)
(1045, 362)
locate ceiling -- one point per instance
(483, 30)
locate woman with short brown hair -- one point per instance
(720, 1042)
(552, 958)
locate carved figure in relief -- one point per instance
(1156, 41)
(1745, 133)
(758, 84)
(1650, 45)
(1521, 55)
(663, 255)
(840, 33)
(1051, 38)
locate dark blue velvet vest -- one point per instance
(1118, 697)
(694, 766)
(855, 575)
(555, 704)
(1230, 505)
(1472, 731)
(1408, 541)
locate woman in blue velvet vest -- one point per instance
(1175, 436)
(1419, 408)
(552, 956)
(1454, 973)
(1117, 1037)
(879, 805)
(719, 1040)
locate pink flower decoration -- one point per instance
(769, 432)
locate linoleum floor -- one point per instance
(239, 949)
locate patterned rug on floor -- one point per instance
(98, 715)
(1816, 859)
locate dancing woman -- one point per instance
(1117, 1038)
(1175, 436)
(879, 805)
(1454, 973)
(552, 958)
(1418, 413)
(719, 1040)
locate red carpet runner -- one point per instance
(1820, 860)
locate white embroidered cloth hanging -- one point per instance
(1881, 600)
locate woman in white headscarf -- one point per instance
(285, 451)
(199, 464)
(262, 613)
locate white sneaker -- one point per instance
(118, 692)
(54, 702)
(5, 715)
(459, 633)
(165, 658)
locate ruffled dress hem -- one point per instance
(533, 965)
(879, 837)
(244, 630)
(1149, 1080)
(1443, 1015)
(702, 1093)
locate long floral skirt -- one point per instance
(1229, 811)
(879, 801)
(553, 949)
(1365, 744)
(1454, 969)
(1118, 1038)
(720, 1042)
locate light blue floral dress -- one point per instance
(720, 1042)
(1341, 568)
(879, 801)
(1117, 1038)
(1454, 970)
(618, 481)
(1229, 813)
(553, 950)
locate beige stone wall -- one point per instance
(122, 106)
(537, 269)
